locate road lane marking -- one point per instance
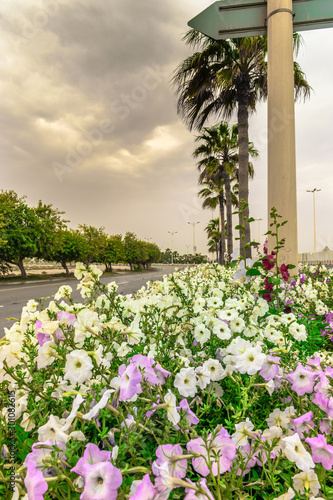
(23, 287)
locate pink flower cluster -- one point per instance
(138, 370)
(170, 468)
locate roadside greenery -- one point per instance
(41, 232)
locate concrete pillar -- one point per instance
(281, 126)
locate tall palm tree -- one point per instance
(213, 195)
(214, 236)
(222, 77)
(219, 152)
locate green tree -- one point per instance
(112, 251)
(154, 254)
(132, 250)
(222, 77)
(49, 224)
(95, 241)
(18, 230)
(70, 247)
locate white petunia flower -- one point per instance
(279, 418)
(203, 376)
(237, 325)
(221, 329)
(306, 482)
(171, 408)
(286, 496)
(228, 314)
(244, 430)
(53, 431)
(186, 382)
(201, 334)
(214, 367)
(46, 355)
(101, 404)
(121, 350)
(251, 361)
(78, 366)
(64, 292)
(298, 331)
(295, 452)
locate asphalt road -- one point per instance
(14, 297)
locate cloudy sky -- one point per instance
(89, 122)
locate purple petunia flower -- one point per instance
(130, 379)
(101, 481)
(92, 455)
(218, 447)
(322, 453)
(145, 490)
(302, 380)
(303, 424)
(270, 367)
(164, 453)
(325, 404)
(35, 482)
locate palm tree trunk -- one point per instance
(243, 141)
(222, 242)
(227, 187)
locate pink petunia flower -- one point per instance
(101, 481)
(35, 482)
(145, 490)
(186, 411)
(270, 367)
(40, 454)
(164, 454)
(325, 404)
(322, 453)
(303, 424)
(92, 455)
(302, 380)
(130, 379)
(219, 449)
(197, 495)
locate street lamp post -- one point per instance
(313, 191)
(172, 233)
(194, 224)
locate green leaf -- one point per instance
(233, 263)
(291, 266)
(239, 227)
(251, 219)
(258, 264)
(253, 272)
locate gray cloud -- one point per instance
(89, 123)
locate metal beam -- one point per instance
(240, 18)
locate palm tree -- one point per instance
(213, 195)
(225, 76)
(219, 150)
(214, 235)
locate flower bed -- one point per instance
(196, 387)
